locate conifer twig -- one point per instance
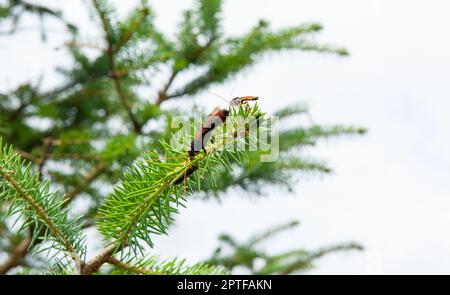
(317, 254)
(129, 34)
(47, 142)
(162, 94)
(143, 201)
(98, 260)
(19, 251)
(40, 211)
(27, 156)
(111, 50)
(131, 268)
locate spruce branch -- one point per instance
(142, 204)
(131, 268)
(291, 163)
(310, 135)
(162, 94)
(291, 110)
(27, 156)
(132, 28)
(47, 143)
(288, 262)
(272, 232)
(111, 51)
(98, 260)
(40, 211)
(294, 261)
(100, 89)
(193, 57)
(209, 21)
(233, 55)
(118, 87)
(144, 201)
(32, 199)
(154, 266)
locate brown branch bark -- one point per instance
(118, 87)
(16, 256)
(162, 94)
(95, 263)
(113, 74)
(47, 142)
(27, 156)
(131, 268)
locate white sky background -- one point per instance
(391, 188)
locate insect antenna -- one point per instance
(224, 99)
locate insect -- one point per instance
(213, 120)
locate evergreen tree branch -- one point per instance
(49, 95)
(154, 266)
(132, 269)
(98, 260)
(47, 142)
(27, 156)
(162, 94)
(245, 254)
(40, 211)
(305, 262)
(23, 248)
(31, 199)
(132, 29)
(142, 204)
(118, 86)
(113, 73)
(271, 232)
(19, 251)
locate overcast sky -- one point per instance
(391, 188)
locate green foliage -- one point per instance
(14, 10)
(225, 57)
(249, 254)
(174, 266)
(252, 175)
(143, 202)
(103, 140)
(31, 199)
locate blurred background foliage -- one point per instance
(251, 258)
(82, 134)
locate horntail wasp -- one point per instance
(213, 120)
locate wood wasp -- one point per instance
(213, 120)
